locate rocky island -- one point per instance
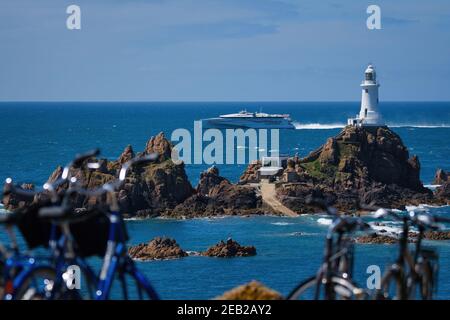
(360, 165)
(157, 249)
(229, 248)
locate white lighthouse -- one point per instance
(368, 115)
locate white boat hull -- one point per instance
(254, 123)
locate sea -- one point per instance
(37, 136)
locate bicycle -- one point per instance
(413, 269)
(117, 265)
(29, 277)
(333, 280)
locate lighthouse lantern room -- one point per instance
(368, 115)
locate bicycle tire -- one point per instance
(343, 289)
(393, 278)
(27, 292)
(426, 281)
(56, 292)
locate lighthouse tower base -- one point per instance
(373, 119)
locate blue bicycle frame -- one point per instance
(118, 262)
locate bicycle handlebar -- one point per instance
(425, 220)
(9, 188)
(347, 225)
(80, 158)
(114, 185)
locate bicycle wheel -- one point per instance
(36, 284)
(42, 283)
(342, 289)
(393, 285)
(426, 283)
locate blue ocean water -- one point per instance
(36, 137)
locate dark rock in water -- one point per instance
(441, 177)
(374, 238)
(437, 235)
(230, 248)
(377, 238)
(361, 165)
(149, 189)
(253, 290)
(216, 196)
(157, 249)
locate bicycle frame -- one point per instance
(332, 264)
(117, 261)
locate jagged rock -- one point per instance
(443, 193)
(253, 290)
(149, 189)
(229, 248)
(217, 196)
(441, 177)
(250, 175)
(208, 180)
(329, 153)
(160, 145)
(126, 155)
(157, 249)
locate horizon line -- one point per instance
(208, 101)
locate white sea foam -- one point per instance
(281, 223)
(324, 126)
(325, 221)
(423, 207)
(420, 126)
(134, 219)
(432, 186)
(385, 228)
(318, 126)
(301, 233)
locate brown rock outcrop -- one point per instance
(375, 238)
(150, 189)
(229, 248)
(441, 177)
(160, 145)
(437, 235)
(361, 165)
(250, 175)
(443, 193)
(157, 249)
(216, 196)
(253, 290)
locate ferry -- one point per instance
(245, 119)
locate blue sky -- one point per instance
(222, 50)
